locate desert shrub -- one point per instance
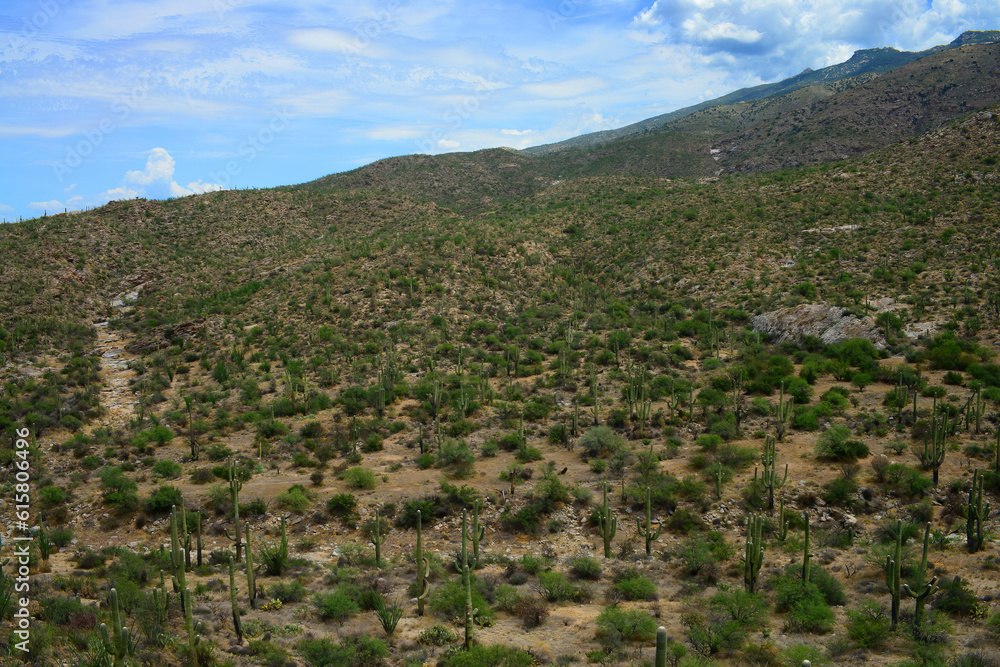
(713, 633)
(585, 567)
(531, 611)
(601, 441)
(490, 656)
(448, 599)
(118, 491)
(167, 469)
(337, 606)
(615, 626)
(342, 505)
(359, 478)
(807, 609)
(869, 626)
(356, 651)
(956, 598)
(836, 443)
(291, 591)
(162, 499)
(555, 587)
(436, 635)
(630, 585)
(749, 610)
(295, 499)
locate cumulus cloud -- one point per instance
(780, 34)
(155, 181)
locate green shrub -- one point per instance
(167, 469)
(615, 626)
(359, 478)
(295, 499)
(337, 606)
(836, 443)
(355, 651)
(292, 591)
(807, 609)
(162, 499)
(631, 585)
(342, 505)
(490, 656)
(585, 567)
(555, 587)
(869, 626)
(601, 441)
(448, 599)
(749, 610)
(118, 491)
(436, 635)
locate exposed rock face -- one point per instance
(826, 322)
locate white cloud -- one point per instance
(516, 133)
(155, 181)
(6, 209)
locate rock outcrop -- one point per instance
(826, 322)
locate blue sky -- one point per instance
(112, 99)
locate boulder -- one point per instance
(828, 323)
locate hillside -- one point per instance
(828, 117)
(480, 331)
(866, 63)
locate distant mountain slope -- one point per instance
(908, 101)
(867, 61)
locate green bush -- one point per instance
(162, 499)
(615, 626)
(585, 567)
(337, 606)
(118, 491)
(355, 651)
(601, 441)
(490, 656)
(869, 626)
(835, 443)
(556, 587)
(631, 585)
(167, 469)
(749, 610)
(807, 609)
(359, 478)
(342, 505)
(448, 599)
(295, 499)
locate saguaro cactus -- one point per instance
(235, 484)
(661, 647)
(806, 555)
(377, 539)
(647, 531)
(754, 556)
(232, 598)
(475, 534)
(976, 512)
(177, 563)
(423, 568)
(893, 565)
(117, 640)
(930, 588)
(607, 524)
(934, 444)
(251, 573)
(470, 613)
(782, 414)
(770, 476)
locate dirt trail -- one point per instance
(116, 398)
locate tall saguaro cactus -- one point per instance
(661, 647)
(251, 573)
(806, 555)
(770, 476)
(647, 531)
(934, 444)
(423, 568)
(237, 624)
(607, 524)
(377, 539)
(976, 512)
(235, 484)
(177, 562)
(893, 565)
(117, 640)
(754, 556)
(475, 533)
(470, 613)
